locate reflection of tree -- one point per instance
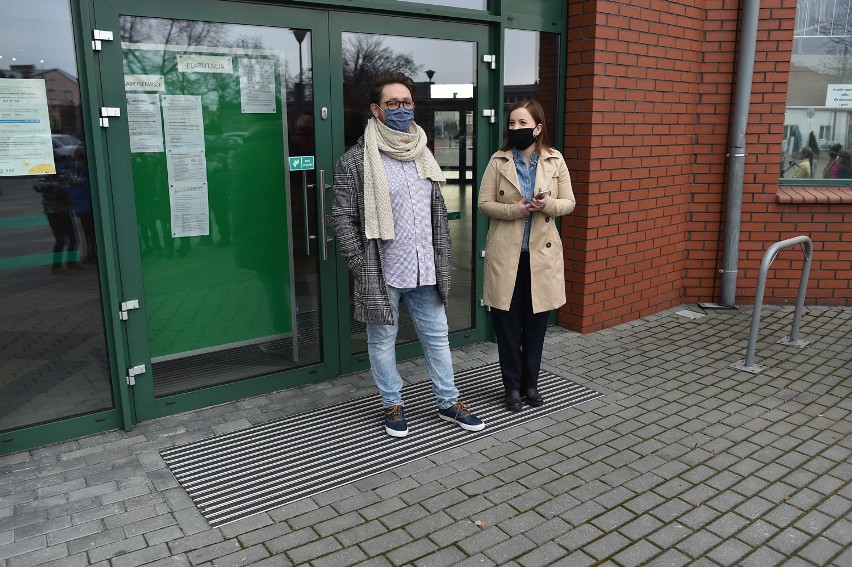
(833, 23)
(364, 57)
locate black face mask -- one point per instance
(522, 138)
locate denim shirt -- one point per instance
(526, 177)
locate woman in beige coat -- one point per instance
(526, 186)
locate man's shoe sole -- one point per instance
(479, 427)
(395, 433)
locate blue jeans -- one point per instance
(430, 321)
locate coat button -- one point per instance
(502, 192)
(547, 245)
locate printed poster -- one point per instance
(257, 86)
(26, 146)
(186, 164)
(145, 123)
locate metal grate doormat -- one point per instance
(235, 475)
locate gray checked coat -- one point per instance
(363, 256)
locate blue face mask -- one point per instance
(399, 119)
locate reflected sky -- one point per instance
(37, 32)
(52, 47)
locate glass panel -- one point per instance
(230, 273)
(53, 352)
(819, 93)
(530, 71)
(472, 4)
(444, 73)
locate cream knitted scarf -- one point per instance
(404, 146)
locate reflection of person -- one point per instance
(804, 166)
(391, 223)
(844, 165)
(56, 202)
(81, 202)
(830, 169)
(525, 187)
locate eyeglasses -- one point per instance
(395, 104)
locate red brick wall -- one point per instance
(648, 106)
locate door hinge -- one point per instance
(98, 36)
(127, 306)
(489, 113)
(132, 373)
(490, 59)
(108, 112)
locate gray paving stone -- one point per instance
(637, 554)
(197, 541)
(510, 549)
(821, 551)
(343, 558)
(762, 557)
(121, 547)
(40, 557)
(729, 552)
(313, 550)
(411, 551)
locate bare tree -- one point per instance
(365, 56)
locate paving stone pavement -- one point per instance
(684, 461)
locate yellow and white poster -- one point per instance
(26, 146)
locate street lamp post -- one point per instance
(300, 85)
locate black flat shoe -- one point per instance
(513, 400)
(534, 398)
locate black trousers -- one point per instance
(520, 334)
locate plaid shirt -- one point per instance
(363, 256)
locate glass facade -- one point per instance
(444, 73)
(190, 201)
(53, 352)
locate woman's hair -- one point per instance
(537, 113)
(806, 153)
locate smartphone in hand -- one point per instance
(542, 195)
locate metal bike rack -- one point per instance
(793, 340)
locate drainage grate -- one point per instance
(238, 474)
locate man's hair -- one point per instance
(537, 113)
(835, 148)
(389, 78)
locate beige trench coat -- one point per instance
(498, 199)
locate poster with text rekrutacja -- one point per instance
(26, 147)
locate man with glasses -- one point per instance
(391, 224)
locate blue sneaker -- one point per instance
(395, 424)
(460, 414)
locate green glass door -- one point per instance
(229, 117)
(217, 160)
(454, 79)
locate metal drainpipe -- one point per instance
(737, 153)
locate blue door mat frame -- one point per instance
(235, 475)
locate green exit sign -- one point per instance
(301, 163)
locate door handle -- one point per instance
(323, 229)
(308, 236)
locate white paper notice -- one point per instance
(838, 96)
(26, 147)
(186, 165)
(257, 86)
(184, 124)
(143, 119)
(144, 83)
(187, 170)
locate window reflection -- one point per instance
(472, 4)
(53, 353)
(531, 71)
(817, 114)
(238, 297)
(444, 74)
